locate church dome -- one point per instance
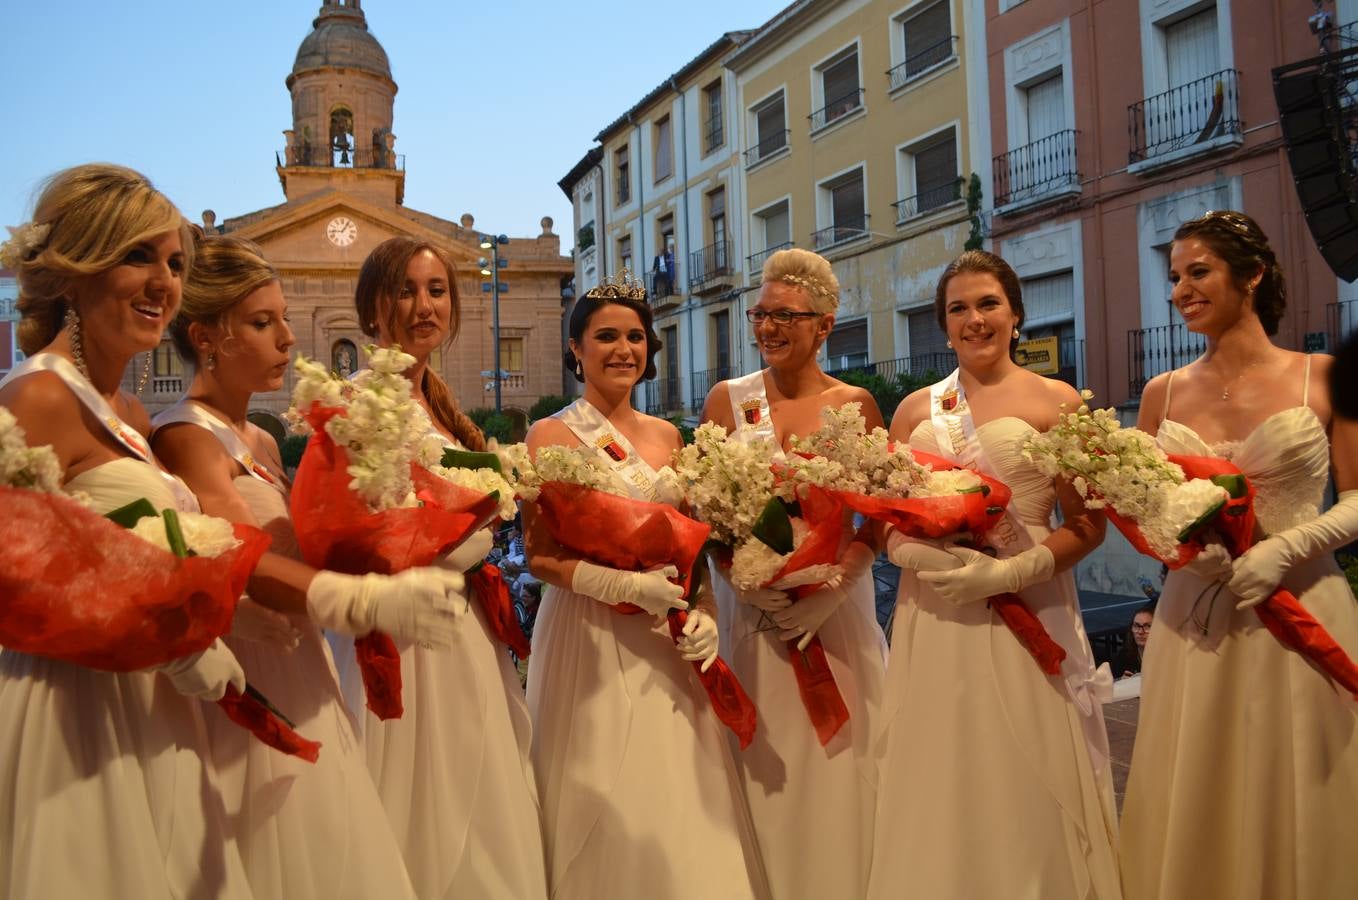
(340, 39)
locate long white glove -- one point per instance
(652, 590)
(984, 576)
(258, 623)
(918, 556)
(805, 617)
(1259, 571)
(205, 675)
(414, 605)
(699, 640)
(1213, 563)
(468, 553)
(767, 599)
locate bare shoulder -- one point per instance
(183, 446)
(37, 396)
(133, 413)
(1064, 396)
(909, 413)
(717, 406)
(662, 430)
(549, 432)
(1150, 415)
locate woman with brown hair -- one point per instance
(106, 782)
(1246, 762)
(453, 772)
(304, 830)
(995, 776)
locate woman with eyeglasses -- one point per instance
(1245, 773)
(812, 805)
(1127, 662)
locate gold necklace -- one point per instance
(1226, 390)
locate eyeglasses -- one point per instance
(1139, 627)
(778, 316)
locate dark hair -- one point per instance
(380, 280)
(1239, 241)
(584, 310)
(981, 262)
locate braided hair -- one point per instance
(1239, 241)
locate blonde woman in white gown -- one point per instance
(304, 830)
(812, 805)
(453, 772)
(640, 796)
(995, 776)
(1245, 770)
(105, 779)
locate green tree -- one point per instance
(494, 424)
(888, 392)
(546, 406)
(977, 236)
(684, 431)
(291, 450)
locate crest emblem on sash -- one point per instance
(128, 436)
(259, 470)
(609, 444)
(948, 401)
(750, 410)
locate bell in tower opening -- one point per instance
(341, 136)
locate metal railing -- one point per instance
(709, 262)
(846, 229)
(766, 147)
(702, 382)
(836, 109)
(662, 395)
(918, 366)
(928, 200)
(756, 260)
(309, 155)
(1193, 113)
(714, 133)
(665, 284)
(1341, 320)
(1072, 354)
(1044, 166)
(923, 61)
(1151, 351)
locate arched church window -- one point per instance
(344, 358)
(341, 136)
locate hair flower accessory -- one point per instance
(23, 240)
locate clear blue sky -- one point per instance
(497, 100)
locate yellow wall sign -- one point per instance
(1041, 355)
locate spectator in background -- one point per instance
(1344, 379)
(1128, 660)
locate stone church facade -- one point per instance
(344, 189)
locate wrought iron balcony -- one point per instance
(665, 287)
(921, 365)
(1151, 351)
(845, 230)
(662, 395)
(1046, 166)
(767, 146)
(708, 265)
(1194, 116)
(922, 62)
(928, 200)
(836, 109)
(322, 157)
(756, 260)
(703, 382)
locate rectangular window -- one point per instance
(716, 214)
(1046, 108)
(166, 362)
(664, 149)
(839, 85)
(625, 253)
(714, 131)
(770, 128)
(622, 179)
(511, 354)
(720, 349)
(928, 344)
(935, 173)
(1191, 48)
(775, 225)
(1049, 297)
(847, 346)
(664, 279)
(669, 369)
(927, 39)
(841, 210)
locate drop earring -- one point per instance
(1016, 334)
(579, 370)
(950, 345)
(145, 374)
(71, 320)
(212, 360)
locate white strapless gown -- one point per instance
(453, 772)
(988, 787)
(106, 789)
(304, 831)
(1244, 780)
(812, 806)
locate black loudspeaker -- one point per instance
(1318, 111)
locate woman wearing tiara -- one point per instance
(304, 831)
(812, 805)
(1245, 769)
(996, 779)
(453, 772)
(639, 792)
(105, 780)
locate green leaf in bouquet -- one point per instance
(132, 513)
(774, 526)
(174, 535)
(1236, 485)
(468, 459)
(1201, 522)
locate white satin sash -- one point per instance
(189, 412)
(1088, 686)
(594, 430)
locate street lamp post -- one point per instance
(491, 267)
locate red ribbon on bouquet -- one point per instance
(976, 512)
(80, 588)
(1282, 613)
(636, 535)
(337, 531)
(489, 588)
(249, 713)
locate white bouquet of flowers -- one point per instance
(22, 466)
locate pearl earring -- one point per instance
(212, 360)
(950, 345)
(579, 369)
(1016, 333)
